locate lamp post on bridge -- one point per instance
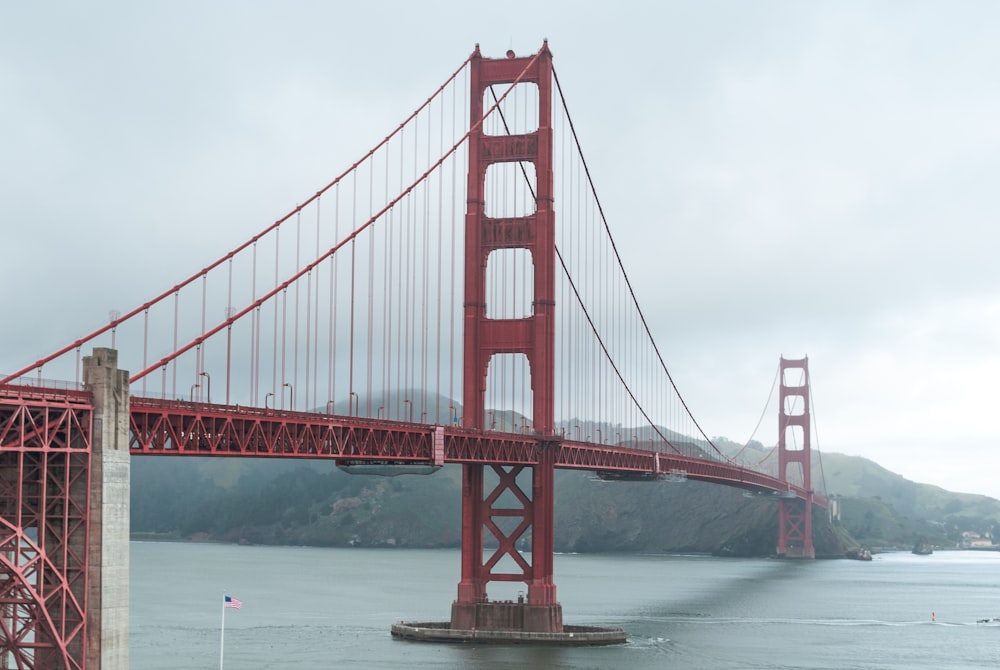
(113, 316)
(291, 396)
(352, 400)
(407, 401)
(208, 384)
(193, 387)
(268, 395)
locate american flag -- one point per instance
(232, 602)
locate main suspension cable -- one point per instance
(628, 282)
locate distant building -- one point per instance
(973, 540)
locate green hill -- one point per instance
(882, 508)
(281, 501)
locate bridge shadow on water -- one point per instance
(739, 586)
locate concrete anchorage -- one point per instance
(108, 553)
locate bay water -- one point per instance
(308, 608)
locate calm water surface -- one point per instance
(331, 608)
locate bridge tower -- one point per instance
(64, 521)
(532, 336)
(795, 514)
(45, 473)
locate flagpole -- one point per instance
(222, 636)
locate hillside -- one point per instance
(270, 501)
(882, 508)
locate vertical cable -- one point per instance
(387, 303)
(350, 372)
(229, 331)
(295, 329)
(254, 335)
(177, 298)
(315, 333)
(411, 277)
(399, 285)
(308, 343)
(425, 295)
(369, 362)
(229, 354)
(284, 345)
(387, 310)
(335, 296)
(274, 362)
(440, 263)
(145, 348)
(563, 348)
(455, 338)
(200, 362)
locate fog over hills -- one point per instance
(268, 501)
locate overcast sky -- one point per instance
(784, 178)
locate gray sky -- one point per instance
(783, 178)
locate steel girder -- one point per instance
(197, 429)
(182, 428)
(45, 465)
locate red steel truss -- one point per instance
(795, 513)
(45, 465)
(181, 428)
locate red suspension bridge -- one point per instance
(432, 269)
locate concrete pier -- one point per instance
(441, 631)
(507, 622)
(108, 553)
(507, 616)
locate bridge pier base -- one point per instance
(108, 550)
(507, 616)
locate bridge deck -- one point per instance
(181, 428)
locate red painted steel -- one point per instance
(45, 460)
(795, 514)
(533, 336)
(181, 428)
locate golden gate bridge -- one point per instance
(454, 296)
